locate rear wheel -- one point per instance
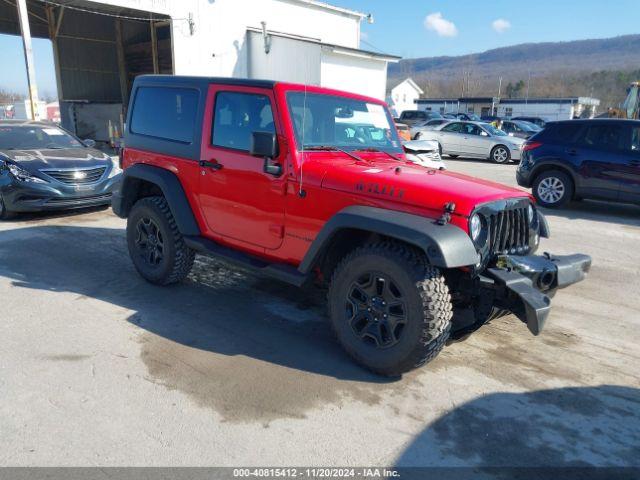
(390, 310)
(156, 246)
(500, 154)
(553, 189)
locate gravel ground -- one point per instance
(98, 367)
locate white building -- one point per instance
(403, 96)
(101, 46)
(549, 109)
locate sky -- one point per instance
(417, 28)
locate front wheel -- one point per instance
(553, 189)
(4, 213)
(390, 310)
(500, 154)
(156, 246)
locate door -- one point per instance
(238, 200)
(474, 142)
(450, 137)
(600, 156)
(630, 172)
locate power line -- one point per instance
(112, 15)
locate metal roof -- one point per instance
(334, 8)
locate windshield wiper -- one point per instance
(377, 150)
(334, 149)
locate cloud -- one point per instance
(501, 25)
(443, 27)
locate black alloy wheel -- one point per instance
(375, 309)
(149, 242)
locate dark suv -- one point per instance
(577, 159)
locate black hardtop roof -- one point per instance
(201, 81)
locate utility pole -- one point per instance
(23, 16)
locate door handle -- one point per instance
(210, 164)
(572, 151)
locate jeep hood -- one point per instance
(412, 184)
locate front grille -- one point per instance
(80, 176)
(509, 231)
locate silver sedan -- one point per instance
(475, 139)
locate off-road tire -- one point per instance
(428, 302)
(551, 176)
(177, 257)
(500, 159)
(4, 213)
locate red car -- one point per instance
(309, 184)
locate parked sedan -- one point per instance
(471, 117)
(535, 120)
(475, 139)
(519, 128)
(43, 167)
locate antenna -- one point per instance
(301, 192)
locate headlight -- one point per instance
(115, 166)
(475, 227)
(22, 175)
(531, 212)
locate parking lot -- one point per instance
(100, 368)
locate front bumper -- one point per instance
(19, 196)
(524, 284)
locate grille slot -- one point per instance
(80, 176)
(509, 231)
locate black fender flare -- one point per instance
(445, 246)
(127, 194)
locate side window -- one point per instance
(603, 137)
(165, 112)
(453, 128)
(237, 115)
(562, 133)
(507, 127)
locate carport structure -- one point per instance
(98, 50)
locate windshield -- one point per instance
(32, 137)
(496, 132)
(328, 120)
(527, 127)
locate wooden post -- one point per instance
(154, 47)
(122, 67)
(25, 31)
(54, 29)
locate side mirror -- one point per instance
(265, 145)
(88, 142)
(511, 134)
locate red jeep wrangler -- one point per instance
(305, 183)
